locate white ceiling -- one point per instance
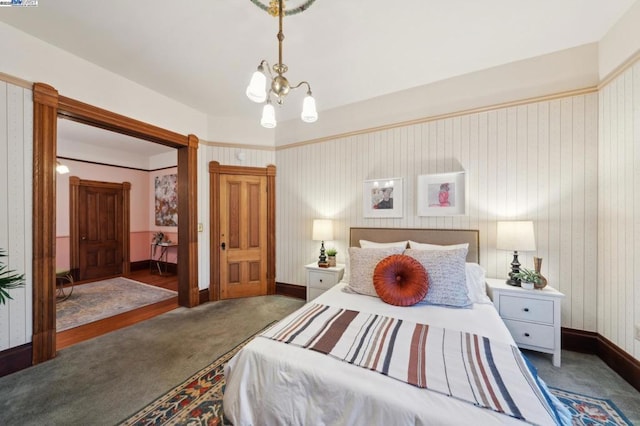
(202, 52)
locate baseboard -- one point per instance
(139, 265)
(16, 359)
(592, 343)
(291, 290)
(203, 296)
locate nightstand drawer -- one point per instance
(523, 308)
(526, 333)
(322, 280)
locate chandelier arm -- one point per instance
(268, 67)
(300, 84)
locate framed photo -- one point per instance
(441, 194)
(382, 198)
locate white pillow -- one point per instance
(372, 244)
(447, 276)
(476, 283)
(362, 263)
(424, 246)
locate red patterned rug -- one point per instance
(198, 401)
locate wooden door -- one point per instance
(243, 231)
(99, 213)
(243, 255)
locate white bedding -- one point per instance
(272, 383)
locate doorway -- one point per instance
(48, 106)
(242, 223)
(99, 226)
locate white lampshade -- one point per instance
(61, 168)
(309, 113)
(516, 236)
(256, 89)
(322, 230)
(268, 119)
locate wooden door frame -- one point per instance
(74, 221)
(48, 105)
(215, 170)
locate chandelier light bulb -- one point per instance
(268, 119)
(309, 113)
(256, 89)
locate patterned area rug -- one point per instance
(587, 410)
(198, 401)
(102, 299)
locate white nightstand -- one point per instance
(320, 279)
(532, 316)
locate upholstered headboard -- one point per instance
(430, 236)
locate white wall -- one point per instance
(225, 155)
(553, 73)
(619, 210)
(536, 161)
(16, 168)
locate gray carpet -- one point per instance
(104, 380)
(102, 299)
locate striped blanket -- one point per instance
(466, 366)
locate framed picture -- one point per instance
(166, 200)
(441, 194)
(382, 198)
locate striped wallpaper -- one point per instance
(619, 210)
(536, 161)
(16, 166)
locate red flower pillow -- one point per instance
(400, 280)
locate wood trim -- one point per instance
(238, 145)
(45, 119)
(126, 228)
(15, 359)
(593, 343)
(271, 229)
(615, 73)
(140, 265)
(94, 116)
(16, 81)
(291, 290)
(188, 223)
(69, 337)
(215, 170)
(48, 106)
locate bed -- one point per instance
(272, 383)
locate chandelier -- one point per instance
(279, 86)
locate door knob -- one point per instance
(83, 238)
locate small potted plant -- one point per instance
(331, 256)
(528, 278)
(8, 280)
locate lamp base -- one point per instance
(323, 262)
(515, 269)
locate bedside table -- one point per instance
(532, 316)
(320, 279)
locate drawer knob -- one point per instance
(526, 309)
(526, 334)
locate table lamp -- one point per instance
(515, 236)
(322, 231)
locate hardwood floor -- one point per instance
(72, 336)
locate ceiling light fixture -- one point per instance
(61, 168)
(279, 87)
